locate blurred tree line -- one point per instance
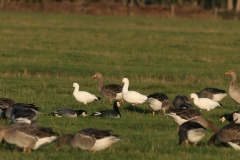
(228, 5)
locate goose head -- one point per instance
(125, 80)
(75, 85)
(231, 72)
(193, 96)
(97, 75)
(118, 104)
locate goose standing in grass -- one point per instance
(204, 103)
(132, 96)
(183, 115)
(110, 91)
(83, 96)
(159, 101)
(23, 105)
(23, 115)
(69, 113)
(233, 92)
(212, 93)
(110, 113)
(179, 100)
(191, 132)
(229, 134)
(89, 139)
(27, 136)
(229, 117)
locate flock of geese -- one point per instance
(25, 133)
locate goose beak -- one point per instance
(71, 85)
(94, 76)
(227, 72)
(121, 80)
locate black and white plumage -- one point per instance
(212, 93)
(91, 139)
(183, 115)
(179, 100)
(23, 115)
(65, 112)
(185, 106)
(229, 134)
(159, 101)
(191, 132)
(23, 105)
(231, 117)
(110, 113)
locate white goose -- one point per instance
(83, 96)
(204, 103)
(132, 96)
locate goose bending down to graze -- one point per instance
(23, 105)
(228, 134)
(110, 91)
(6, 102)
(185, 106)
(27, 136)
(132, 96)
(233, 92)
(179, 100)
(110, 113)
(229, 117)
(212, 93)
(23, 115)
(83, 96)
(159, 101)
(183, 115)
(89, 139)
(204, 103)
(69, 113)
(191, 132)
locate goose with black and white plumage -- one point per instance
(159, 101)
(65, 112)
(229, 134)
(132, 96)
(229, 117)
(204, 103)
(191, 132)
(91, 139)
(233, 92)
(183, 115)
(83, 96)
(110, 113)
(110, 91)
(23, 115)
(27, 136)
(212, 93)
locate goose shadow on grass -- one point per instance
(137, 109)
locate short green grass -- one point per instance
(43, 54)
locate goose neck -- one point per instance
(125, 87)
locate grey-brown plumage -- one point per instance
(65, 112)
(234, 93)
(228, 133)
(6, 102)
(212, 93)
(191, 132)
(23, 115)
(179, 100)
(89, 139)
(110, 91)
(184, 115)
(110, 113)
(27, 136)
(23, 105)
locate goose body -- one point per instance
(191, 132)
(204, 103)
(212, 93)
(110, 91)
(110, 113)
(228, 134)
(185, 106)
(23, 115)
(179, 100)
(183, 115)
(89, 139)
(159, 101)
(83, 96)
(132, 96)
(65, 112)
(233, 92)
(27, 136)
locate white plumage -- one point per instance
(132, 96)
(204, 103)
(83, 96)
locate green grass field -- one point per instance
(42, 54)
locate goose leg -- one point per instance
(187, 144)
(194, 145)
(110, 101)
(58, 147)
(24, 150)
(178, 128)
(164, 112)
(29, 150)
(136, 104)
(153, 113)
(122, 100)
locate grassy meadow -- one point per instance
(42, 54)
